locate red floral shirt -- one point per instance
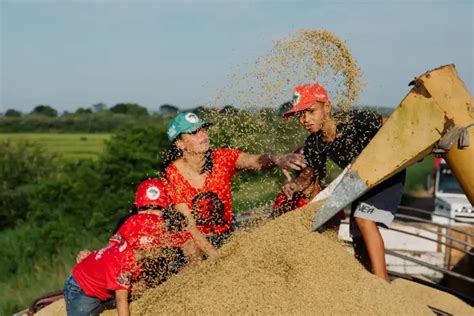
(212, 204)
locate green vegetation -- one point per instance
(416, 175)
(69, 146)
(52, 207)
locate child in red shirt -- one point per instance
(105, 275)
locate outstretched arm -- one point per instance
(267, 161)
(198, 237)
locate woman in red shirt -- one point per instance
(198, 177)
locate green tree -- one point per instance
(284, 107)
(99, 107)
(168, 110)
(44, 110)
(83, 111)
(22, 166)
(229, 110)
(12, 113)
(129, 109)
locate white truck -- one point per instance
(449, 198)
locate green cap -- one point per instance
(186, 122)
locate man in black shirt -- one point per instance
(342, 137)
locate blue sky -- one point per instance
(71, 54)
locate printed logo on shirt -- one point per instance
(124, 278)
(99, 253)
(208, 209)
(153, 193)
(123, 246)
(191, 118)
(366, 208)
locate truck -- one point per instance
(449, 198)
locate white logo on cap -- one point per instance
(172, 131)
(191, 118)
(296, 98)
(152, 193)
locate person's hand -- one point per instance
(290, 188)
(82, 255)
(290, 161)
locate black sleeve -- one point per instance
(315, 157)
(367, 122)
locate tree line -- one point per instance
(134, 109)
(95, 119)
(100, 119)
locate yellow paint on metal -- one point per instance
(445, 85)
(438, 101)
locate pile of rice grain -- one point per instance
(283, 268)
(279, 268)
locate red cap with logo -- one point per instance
(305, 96)
(151, 192)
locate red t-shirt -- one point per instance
(145, 230)
(211, 204)
(106, 270)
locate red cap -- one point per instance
(151, 192)
(305, 96)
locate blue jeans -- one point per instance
(80, 304)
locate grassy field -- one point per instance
(48, 274)
(70, 146)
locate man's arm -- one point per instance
(267, 161)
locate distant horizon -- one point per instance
(75, 54)
(60, 113)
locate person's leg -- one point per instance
(374, 244)
(360, 252)
(377, 207)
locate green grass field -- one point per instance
(70, 146)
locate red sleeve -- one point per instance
(121, 282)
(227, 158)
(116, 239)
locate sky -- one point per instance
(71, 54)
